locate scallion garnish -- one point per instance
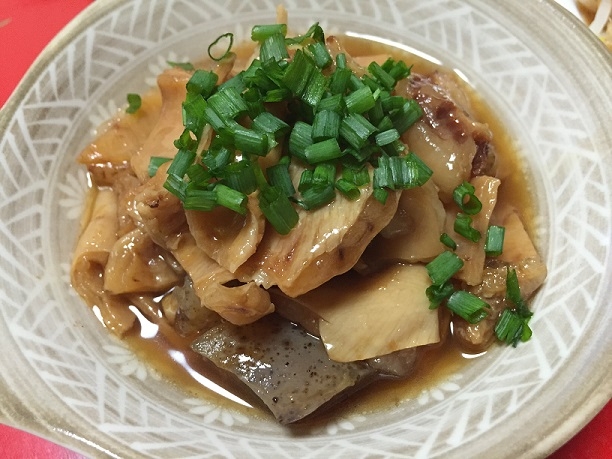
(277, 209)
(188, 66)
(468, 306)
(463, 226)
(448, 241)
(154, 164)
(343, 127)
(228, 49)
(465, 198)
(443, 267)
(134, 103)
(494, 243)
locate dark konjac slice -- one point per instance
(286, 367)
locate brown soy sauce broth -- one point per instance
(171, 356)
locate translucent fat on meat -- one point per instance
(137, 264)
(413, 234)
(226, 236)
(169, 126)
(240, 304)
(91, 255)
(325, 243)
(368, 317)
(119, 139)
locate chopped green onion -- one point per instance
(317, 196)
(407, 115)
(176, 185)
(154, 164)
(180, 163)
(181, 65)
(468, 306)
(298, 72)
(300, 139)
(267, 122)
(339, 80)
(357, 176)
(228, 103)
(202, 82)
(442, 268)
(359, 101)
(333, 103)
(513, 293)
(463, 226)
(381, 195)
(386, 137)
(512, 328)
(134, 103)
(216, 159)
(448, 241)
(186, 141)
(513, 324)
(315, 32)
(194, 114)
(232, 199)
(494, 243)
(202, 200)
(356, 129)
(261, 32)
(240, 176)
(320, 54)
(273, 48)
(306, 180)
(250, 141)
(278, 175)
(324, 174)
(326, 150)
(326, 125)
(198, 175)
(348, 189)
(383, 176)
(465, 198)
(341, 60)
(438, 293)
(315, 88)
(386, 80)
(277, 209)
(230, 37)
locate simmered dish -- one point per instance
(306, 215)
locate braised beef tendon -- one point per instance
(304, 216)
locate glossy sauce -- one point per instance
(171, 356)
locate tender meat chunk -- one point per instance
(413, 234)
(226, 236)
(169, 125)
(119, 139)
(472, 253)
(325, 243)
(448, 138)
(158, 211)
(519, 254)
(239, 304)
(137, 264)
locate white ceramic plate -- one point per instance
(65, 378)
